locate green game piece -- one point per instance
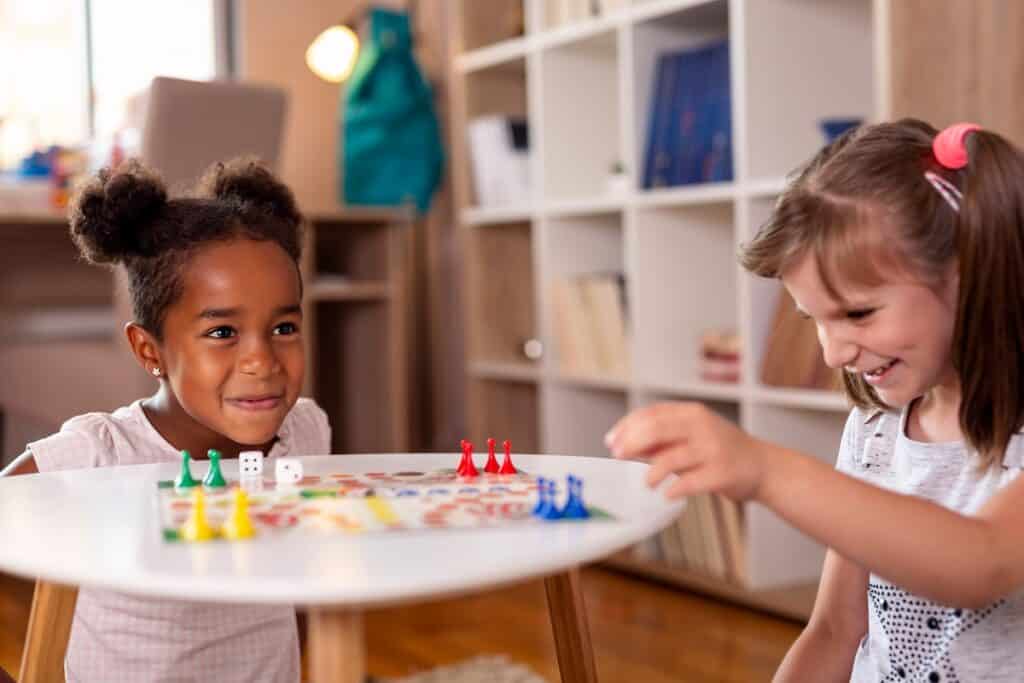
(214, 479)
(185, 480)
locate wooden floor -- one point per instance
(641, 632)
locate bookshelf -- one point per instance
(585, 87)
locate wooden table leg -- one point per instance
(569, 622)
(336, 649)
(49, 626)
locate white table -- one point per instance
(99, 528)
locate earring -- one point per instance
(156, 372)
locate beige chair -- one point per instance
(188, 125)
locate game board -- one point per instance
(369, 503)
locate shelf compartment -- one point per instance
(812, 431)
(504, 410)
(500, 292)
(821, 59)
(791, 602)
(587, 320)
(576, 418)
(683, 261)
(489, 25)
(676, 27)
(498, 90)
(580, 117)
(352, 387)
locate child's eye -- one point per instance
(222, 332)
(286, 329)
(859, 314)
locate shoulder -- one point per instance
(89, 440)
(862, 425)
(308, 428)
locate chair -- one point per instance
(188, 125)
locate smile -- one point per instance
(878, 374)
(256, 403)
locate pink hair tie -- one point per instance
(949, 147)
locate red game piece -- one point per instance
(492, 462)
(466, 467)
(507, 467)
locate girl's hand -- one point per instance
(706, 451)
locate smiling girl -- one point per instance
(905, 246)
(216, 294)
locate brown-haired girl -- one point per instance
(906, 247)
(216, 292)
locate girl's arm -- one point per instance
(23, 464)
(923, 547)
(825, 650)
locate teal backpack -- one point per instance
(391, 148)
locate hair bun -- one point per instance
(109, 212)
(247, 181)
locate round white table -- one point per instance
(100, 528)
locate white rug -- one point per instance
(483, 669)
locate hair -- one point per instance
(125, 217)
(863, 203)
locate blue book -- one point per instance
(662, 152)
(718, 166)
(655, 118)
(690, 117)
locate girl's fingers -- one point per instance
(677, 460)
(687, 485)
(642, 432)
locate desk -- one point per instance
(99, 528)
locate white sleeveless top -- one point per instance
(911, 638)
(117, 637)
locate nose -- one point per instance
(258, 358)
(839, 350)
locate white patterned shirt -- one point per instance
(117, 637)
(911, 639)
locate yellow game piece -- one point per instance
(196, 527)
(238, 526)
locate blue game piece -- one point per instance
(552, 512)
(574, 507)
(469, 489)
(439, 492)
(407, 492)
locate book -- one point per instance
(499, 158)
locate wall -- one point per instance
(959, 61)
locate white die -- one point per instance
(287, 470)
(250, 464)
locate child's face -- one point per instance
(232, 348)
(896, 335)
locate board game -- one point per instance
(345, 503)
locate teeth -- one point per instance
(878, 371)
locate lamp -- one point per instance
(332, 55)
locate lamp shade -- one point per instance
(333, 54)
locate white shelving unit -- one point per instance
(585, 90)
